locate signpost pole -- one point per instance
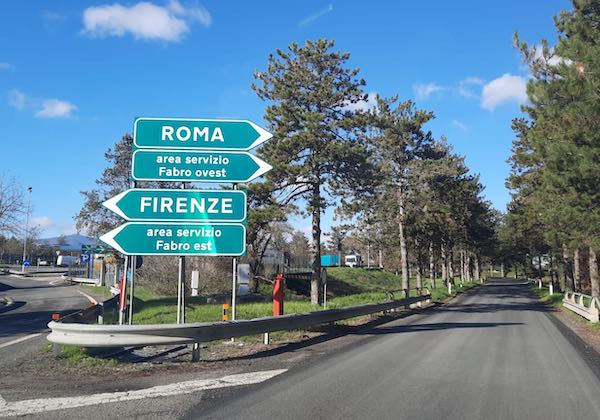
(132, 284)
(181, 286)
(122, 298)
(234, 282)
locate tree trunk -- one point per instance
(539, 258)
(502, 270)
(477, 273)
(553, 274)
(594, 276)
(568, 270)
(462, 266)
(403, 252)
(450, 269)
(468, 266)
(315, 277)
(576, 271)
(419, 266)
(444, 264)
(431, 266)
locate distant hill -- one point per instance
(68, 242)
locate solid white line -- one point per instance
(88, 297)
(18, 340)
(21, 408)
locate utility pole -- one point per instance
(29, 189)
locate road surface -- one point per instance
(34, 302)
(495, 354)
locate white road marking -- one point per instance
(21, 408)
(18, 340)
(88, 297)
(55, 282)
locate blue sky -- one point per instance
(73, 75)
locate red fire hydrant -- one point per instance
(278, 286)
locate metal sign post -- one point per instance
(179, 222)
(234, 281)
(181, 285)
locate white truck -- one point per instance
(65, 260)
(352, 260)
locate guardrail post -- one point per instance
(101, 314)
(196, 352)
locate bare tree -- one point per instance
(11, 205)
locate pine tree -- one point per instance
(317, 152)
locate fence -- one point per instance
(584, 305)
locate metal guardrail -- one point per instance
(81, 280)
(97, 336)
(89, 315)
(576, 303)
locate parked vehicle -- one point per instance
(65, 260)
(353, 260)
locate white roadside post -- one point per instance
(195, 282)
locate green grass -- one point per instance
(78, 356)
(544, 296)
(152, 309)
(346, 281)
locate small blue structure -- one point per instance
(330, 260)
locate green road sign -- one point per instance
(182, 133)
(213, 166)
(86, 249)
(179, 205)
(214, 239)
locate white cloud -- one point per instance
(464, 88)
(42, 108)
(318, 14)
(6, 66)
(43, 222)
(550, 58)
(423, 91)
(363, 105)
(17, 99)
(460, 125)
(55, 108)
(504, 89)
(144, 20)
(47, 224)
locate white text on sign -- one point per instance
(195, 134)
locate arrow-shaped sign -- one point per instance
(185, 133)
(184, 165)
(215, 239)
(179, 205)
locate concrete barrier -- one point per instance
(576, 303)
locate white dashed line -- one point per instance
(18, 340)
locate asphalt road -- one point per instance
(495, 354)
(35, 300)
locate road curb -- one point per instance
(5, 302)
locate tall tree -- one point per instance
(317, 151)
(400, 144)
(556, 156)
